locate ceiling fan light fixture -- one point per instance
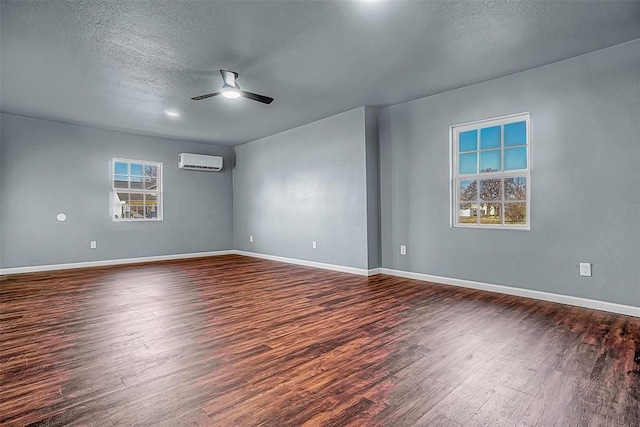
(231, 93)
(230, 89)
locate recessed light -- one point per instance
(171, 113)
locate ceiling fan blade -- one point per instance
(209, 95)
(256, 97)
(229, 77)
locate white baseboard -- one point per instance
(51, 267)
(333, 267)
(37, 268)
(544, 296)
(527, 293)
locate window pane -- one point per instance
(490, 161)
(150, 170)
(121, 205)
(515, 188)
(137, 205)
(468, 190)
(120, 168)
(150, 199)
(468, 213)
(515, 134)
(136, 199)
(468, 163)
(136, 169)
(490, 189)
(515, 213)
(151, 206)
(120, 181)
(490, 213)
(151, 211)
(468, 141)
(137, 212)
(515, 158)
(490, 138)
(137, 182)
(150, 183)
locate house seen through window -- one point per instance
(136, 190)
(491, 173)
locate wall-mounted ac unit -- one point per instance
(199, 162)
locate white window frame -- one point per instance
(158, 192)
(455, 178)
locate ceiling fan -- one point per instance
(230, 89)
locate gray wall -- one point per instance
(585, 189)
(305, 184)
(47, 168)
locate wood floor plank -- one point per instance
(233, 340)
(556, 403)
(504, 408)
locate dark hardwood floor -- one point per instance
(237, 341)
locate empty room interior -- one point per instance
(320, 213)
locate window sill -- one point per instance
(138, 220)
(495, 227)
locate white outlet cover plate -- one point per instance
(585, 269)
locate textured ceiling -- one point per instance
(119, 65)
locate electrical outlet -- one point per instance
(403, 250)
(250, 239)
(94, 244)
(585, 269)
(314, 245)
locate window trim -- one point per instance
(160, 212)
(454, 177)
